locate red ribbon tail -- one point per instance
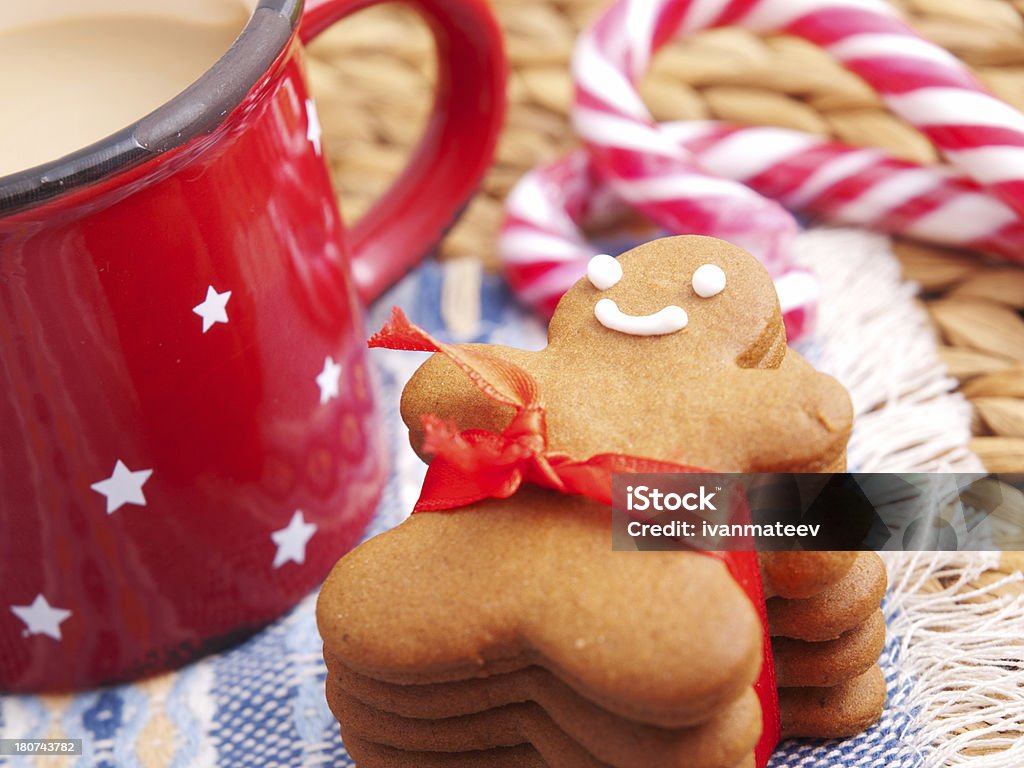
(745, 569)
(500, 380)
(446, 486)
(400, 333)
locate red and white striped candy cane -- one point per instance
(848, 185)
(645, 163)
(919, 81)
(544, 250)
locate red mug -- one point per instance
(188, 439)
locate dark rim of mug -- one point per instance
(196, 111)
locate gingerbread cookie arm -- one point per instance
(793, 419)
(439, 388)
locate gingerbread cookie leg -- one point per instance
(831, 662)
(832, 713)
(368, 754)
(721, 740)
(510, 726)
(837, 609)
(499, 728)
(802, 574)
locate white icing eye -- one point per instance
(603, 271)
(708, 281)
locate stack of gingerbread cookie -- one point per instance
(508, 632)
(827, 633)
(452, 641)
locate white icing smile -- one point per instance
(605, 272)
(666, 320)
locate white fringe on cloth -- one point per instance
(961, 644)
(872, 336)
(962, 654)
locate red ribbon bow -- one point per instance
(475, 464)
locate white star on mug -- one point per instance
(213, 309)
(41, 618)
(329, 380)
(291, 540)
(313, 130)
(123, 487)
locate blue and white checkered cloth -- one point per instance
(261, 704)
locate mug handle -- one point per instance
(456, 147)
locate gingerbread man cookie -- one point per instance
(508, 631)
(620, 373)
